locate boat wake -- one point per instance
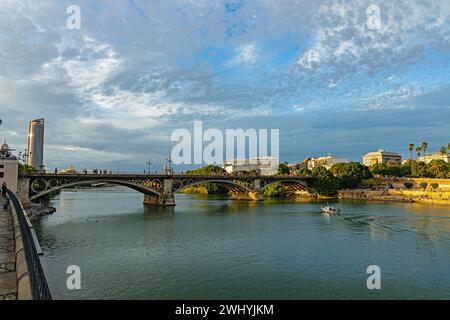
(375, 222)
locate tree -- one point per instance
(211, 188)
(26, 169)
(438, 168)
(418, 150)
(448, 146)
(209, 169)
(411, 148)
(350, 174)
(405, 168)
(423, 185)
(304, 172)
(435, 185)
(274, 190)
(390, 169)
(424, 148)
(443, 150)
(325, 183)
(283, 169)
(420, 170)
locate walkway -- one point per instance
(8, 286)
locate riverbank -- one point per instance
(398, 195)
(36, 211)
(440, 197)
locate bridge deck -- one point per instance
(162, 176)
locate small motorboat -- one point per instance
(330, 210)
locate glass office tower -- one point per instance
(36, 144)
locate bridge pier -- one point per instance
(166, 199)
(156, 200)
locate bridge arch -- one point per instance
(230, 185)
(137, 187)
(294, 184)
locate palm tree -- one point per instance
(437, 167)
(418, 150)
(443, 150)
(411, 148)
(424, 148)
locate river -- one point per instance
(209, 247)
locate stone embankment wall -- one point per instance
(420, 196)
(23, 278)
(399, 183)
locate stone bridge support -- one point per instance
(255, 195)
(165, 199)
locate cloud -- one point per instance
(246, 54)
(113, 91)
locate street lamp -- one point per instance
(149, 163)
(24, 156)
(168, 165)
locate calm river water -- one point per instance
(209, 247)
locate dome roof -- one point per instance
(4, 147)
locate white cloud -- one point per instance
(246, 54)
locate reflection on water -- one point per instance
(209, 247)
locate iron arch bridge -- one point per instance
(159, 189)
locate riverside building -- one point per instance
(9, 167)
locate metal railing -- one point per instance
(39, 287)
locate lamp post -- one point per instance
(168, 166)
(24, 156)
(149, 163)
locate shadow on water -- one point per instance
(153, 211)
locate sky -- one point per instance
(325, 74)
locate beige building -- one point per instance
(326, 162)
(435, 156)
(381, 156)
(9, 168)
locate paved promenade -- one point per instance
(8, 286)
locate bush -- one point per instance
(274, 190)
(408, 185)
(423, 185)
(435, 185)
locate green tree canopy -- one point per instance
(350, 174)
(283, 169)
(209, 169)
(304, 172)
(325, 183)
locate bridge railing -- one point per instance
(33, 254)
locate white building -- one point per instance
(381, 156)
(9, 168)
(326, 162)
(265, 166)
(435, 156)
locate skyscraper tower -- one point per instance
(36, 144)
